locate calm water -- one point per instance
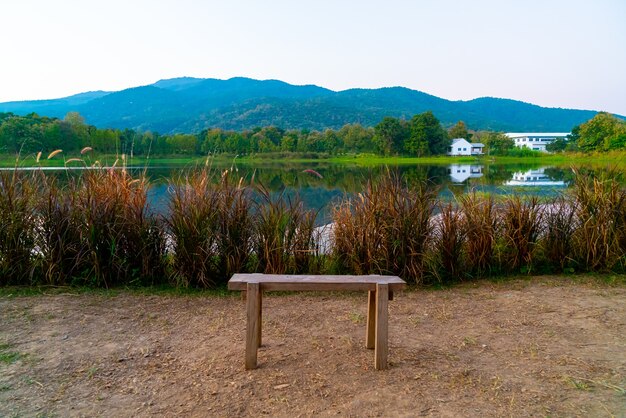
(290, 179)
(338, 180)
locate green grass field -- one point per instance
(615, 158)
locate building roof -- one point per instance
(541, 134)
(477, 144)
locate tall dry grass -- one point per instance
(98, 229)
(63, 253)
(447, 255)
(481, 225)
(384, 229)
(285, 239)
(236, 228)
(560, 224)
(193, 225)
(211, 228)
(18, 201)
(125, 243)
(601, 215)
(522, 224)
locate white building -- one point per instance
(461, 146)
(533, 178)
(535, 140)
(460, 173)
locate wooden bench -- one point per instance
(380, 290)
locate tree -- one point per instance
(558, 145)
(427, 137)
(498, 143)
(459, 131)
(603, 132)
(356, 138)
(390, 135)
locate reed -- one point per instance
(384, 230)
(557, 243)
(522, 223)
(447, 254)
(99, 230)
(480, 223)
(234, 240)
(63, 254)
(600, 212)
(125, 244)
(285, 239)
(18, 196)
(193, 224)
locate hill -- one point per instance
(191, 104)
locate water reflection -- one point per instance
(537, 178)
(318, 193)
(460, 173)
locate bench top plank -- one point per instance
(297, 282)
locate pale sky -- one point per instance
(558, 53)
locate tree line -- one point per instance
(421, 135)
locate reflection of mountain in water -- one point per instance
(536, 177)
(460, 173)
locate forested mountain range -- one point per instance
(188, 105)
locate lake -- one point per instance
(318, 193)
(336, 180)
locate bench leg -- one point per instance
(380, 349)
(253, 314)
(260, 320)
(370, 332)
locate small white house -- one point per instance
(535, 140)
(461, 146)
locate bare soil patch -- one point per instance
(524, 348)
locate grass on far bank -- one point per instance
(613, 158)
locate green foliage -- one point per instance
(426, 137)
(459, 130)
(497, 143)
(390, 135)
(604, 132)
(558, 145)
(523, 152)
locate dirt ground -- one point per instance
(545, 347)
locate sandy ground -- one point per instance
(544, 347)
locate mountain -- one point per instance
(189, 104)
